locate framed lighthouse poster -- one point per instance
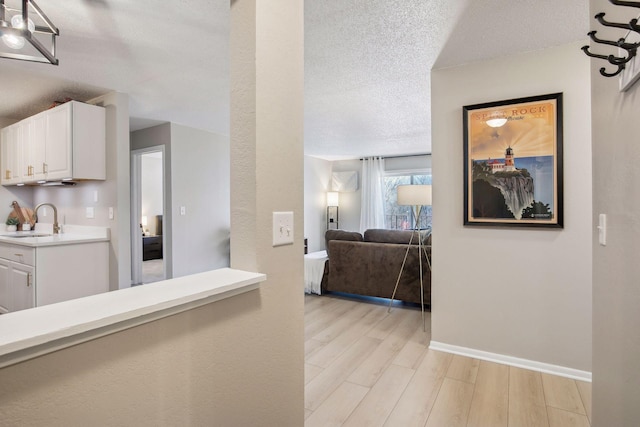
(513, 162)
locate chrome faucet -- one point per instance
(56, 226)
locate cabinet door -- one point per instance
(34, 146)
(59, 138)
(5, 295)
(12, 140)
(5, 170)
(22, 287)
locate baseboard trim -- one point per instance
(512, 361)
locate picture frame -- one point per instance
(513, 163)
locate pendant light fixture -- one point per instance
(25, 30)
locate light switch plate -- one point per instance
(602, 229)
(110, 212)
(282, 228)
(89, 213)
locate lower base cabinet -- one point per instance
(16, 286)
(36, 276)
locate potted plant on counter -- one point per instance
(12, 223)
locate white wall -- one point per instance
(349, 209)
(200, 182)
(317, 180)
(196, 177)
(23, 195)
(519, 292)
(616, 291)
(151, 185)
(157, 136)
(267, 109)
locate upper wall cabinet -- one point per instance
(63, 143)
(12, 138)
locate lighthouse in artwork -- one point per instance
(509, 165)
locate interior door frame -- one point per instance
(136, 212)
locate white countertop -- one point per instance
(71, 234)
(29, 333)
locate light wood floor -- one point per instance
(365, 367)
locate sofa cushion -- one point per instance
(352, 236)
(396, 236)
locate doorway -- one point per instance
(149, 260)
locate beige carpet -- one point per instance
(152, 271)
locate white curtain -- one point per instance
(372, 202)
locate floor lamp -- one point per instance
(416, 196)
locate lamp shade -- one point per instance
(414, 195)
(332, 198)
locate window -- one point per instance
(400, 217)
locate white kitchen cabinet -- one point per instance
(36, 276)
(17, 290)
(22, 288)
(11, 157)
(62, 123)
(33, 153)
(5, 294)
(63, 143)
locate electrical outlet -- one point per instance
(89, 212)
(183, 210)
(110, 212)
(282, 228)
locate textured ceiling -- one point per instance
(367, 63)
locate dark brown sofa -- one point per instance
(369, 265)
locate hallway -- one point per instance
(367, 367)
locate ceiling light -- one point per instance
(27, 42)
(17, 42)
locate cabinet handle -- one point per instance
(45, 168)
(7, 174)
(29, 282)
